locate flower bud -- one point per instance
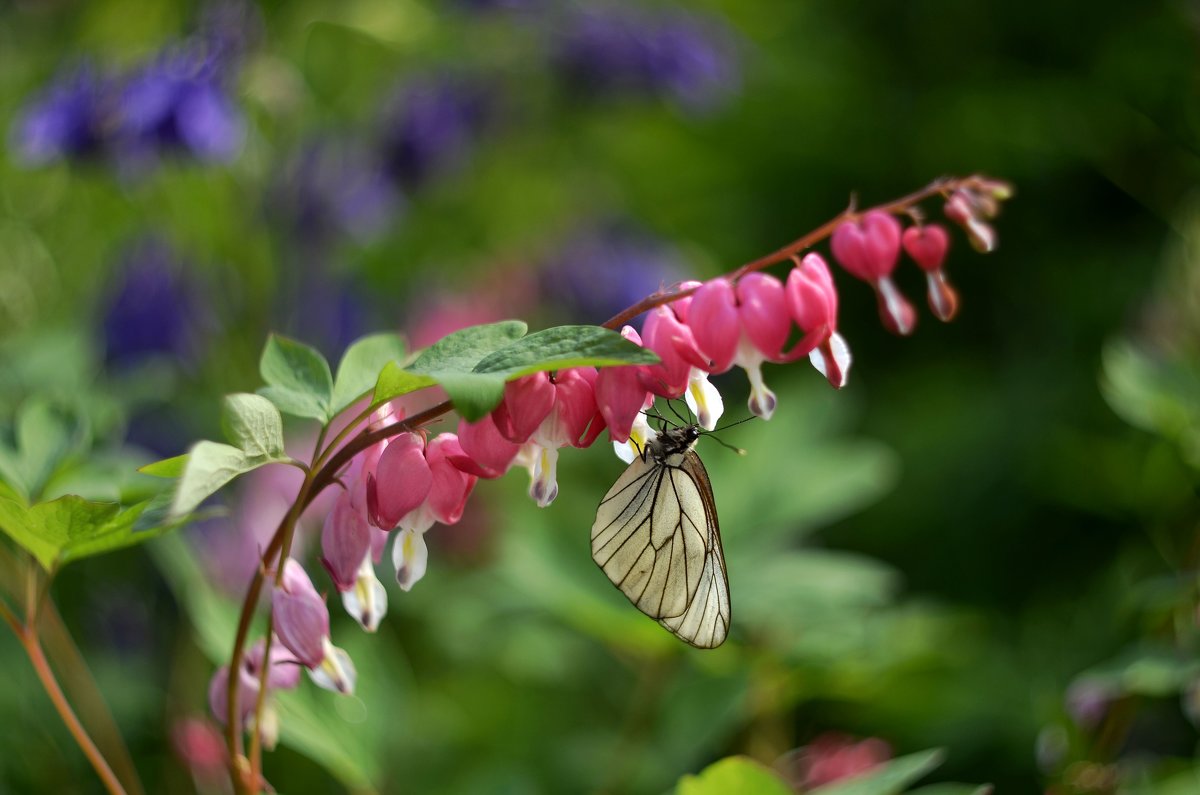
(300, 617)
(218, 694)
(345, 542)
(927, 245)
(963, 208)
(870, 250)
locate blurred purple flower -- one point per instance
(1087, 701)
(229, 30)
(603, 270)
(684, 57)
(70, 118)
(155, 308)
(178, 103)
(430, 127)
(335, 187)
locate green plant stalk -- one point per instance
(27, 635)
(44, 625)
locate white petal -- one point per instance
(762, 400)
(704, 400)
(410, 557)
(639, 436)
(544, 486)
(336, 672)
(366, 602)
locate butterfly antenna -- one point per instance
(732, 424)
(727, 445)
(675, 411)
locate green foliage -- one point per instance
(736, 774)
(44, 439)
(1157, 394)
(70, 528)
(361, 365)
(298, 378)
(889, 779)
(473, 365)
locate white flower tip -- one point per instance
(410, 556)
(366, 602)
(762, 403)
(336, 672)
(832, 359)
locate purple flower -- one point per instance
(677, 55)
(430, 127)
(70, 118)
(601, 271)
(178, 103)
(335, 187)
(156, 309)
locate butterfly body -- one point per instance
(657, 538)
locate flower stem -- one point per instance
(940, 186)
(33, 647)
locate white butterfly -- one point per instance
(657, 539)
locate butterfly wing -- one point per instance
(656, 537)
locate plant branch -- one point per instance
(940, 186)
(329, 463)
(33, 648)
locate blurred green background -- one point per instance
(987, 542)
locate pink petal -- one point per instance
(345, 541)
(763, 311)
(402, 479)
(713, 320)
(451, 486)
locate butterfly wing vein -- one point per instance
(657, 539)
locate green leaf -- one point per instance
(166, 468)
(210, 466)
(70, 528)
(298, 378)
(45, 436)
(461, 351)
(344, 66)
(253, 423)
(360, 367)
(564, 346)
(887, 779)
(474, 394)
(734, 774)
(395, 381)
(450, 362)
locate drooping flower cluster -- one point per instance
(407, 482)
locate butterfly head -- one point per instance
(674, 441)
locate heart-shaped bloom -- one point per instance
(486, 453)
(299, 614)
(813, 301)
(927, 245)
(401, 481)
(621, 393)
(870, 249)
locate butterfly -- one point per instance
(656, 537)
